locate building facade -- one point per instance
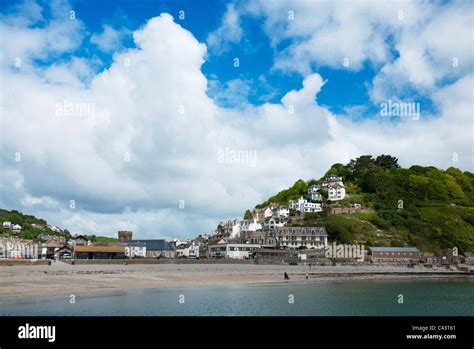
(157, 248)
(304, 206)
(99, 252)
(232, 251)
(393, 254)
(335, 187)
(298, 237)
(135, 250)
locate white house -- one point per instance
(335, 187)
(302, 205)
(232, 251)
(273, 222)
(17, 228)
(295, 204)
(248, 225)
(336, 192)
(188, 250)
(7, 225)
(280, 212)
(310, 207)
(135, 249)
(332, 180)
(230, 229)
(235, 231)
(55, 229)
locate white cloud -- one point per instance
(229, 31)
(411, 43)
(110, 39)
(24, 42)
(151, 107)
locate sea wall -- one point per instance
(161, 261)
(14, 262)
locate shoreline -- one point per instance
(64, 279)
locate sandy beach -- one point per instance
(62, 278)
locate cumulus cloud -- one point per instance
(414, 45)
(140, 145)
(228, 32)
(25, 36)
(110, 39)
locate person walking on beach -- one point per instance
(307, 275)
(286, 276)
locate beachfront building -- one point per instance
(187, 250)
(52, 246)
(393, 254)
(231, 251)
(157, 248)
(298, 237)
(7, 225)
(17, 248)
(99, 252)
(64, 252)
(79, 240)
(271, 255)
(135, 250)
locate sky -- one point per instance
(167, 117)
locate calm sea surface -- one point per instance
(427, 297)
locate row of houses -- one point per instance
(373, 255)
(276, 216)
(17, 248)
(17, 228)
(14, 227)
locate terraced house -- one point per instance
(296, 237)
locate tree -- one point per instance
(387, 162)
(360, 165)
(339, 170)
(248, 215)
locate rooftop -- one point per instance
(87, 249)
(157, 244)
(393, 249)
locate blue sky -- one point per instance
(165, 99)
(344, 87)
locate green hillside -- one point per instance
(30, 232)
(426, 207)
(26, 222)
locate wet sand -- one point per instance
(62, 278)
